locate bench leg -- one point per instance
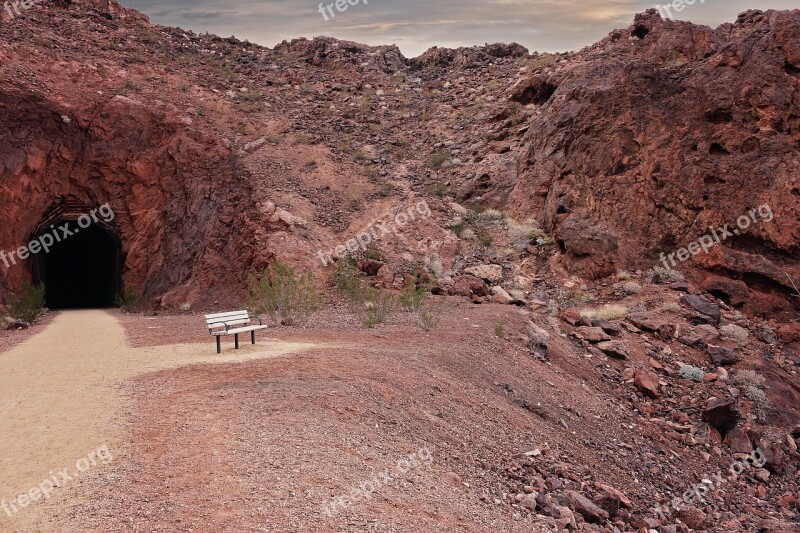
(252, 337)
(236, 340)
(219, 345)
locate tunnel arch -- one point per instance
(80, 259)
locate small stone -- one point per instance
(592, 334)
(647, 382)
(723, 356)
(588, 510)
(615, 349)
(703, 306)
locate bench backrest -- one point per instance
(231, 318)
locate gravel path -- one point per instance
(61, 400)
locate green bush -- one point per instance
(128, 299)
(428, 317)
(692, 372)
(28, 304)
(347, 278)
(412, 298)
(284, 295)
(373, 306)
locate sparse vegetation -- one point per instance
(761, 403)
(438, 159)
(373, 306)
(748, 378)
(671, 307)
(565, 298)
(412, 298)
(283, 294)
(631, 287)
(28, 304)
(692, 372)
(734, 332)
(753, 383)
(667, 274)
(607, 312)
(129, 299)
(623, 275)
(500, 329)
(428, 317)
(484, 237)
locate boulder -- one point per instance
(615, 349)
(488, 273)
(538, 339)
(370, 267)
(722, 356)
(703, 306)
(647, 382)
(468, 286)
(721, 415)
(586, 508)
(591, 334)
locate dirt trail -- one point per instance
(60, 400)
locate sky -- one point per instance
(416, 25)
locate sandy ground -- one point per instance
(61, 401)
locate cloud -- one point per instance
(416, 25)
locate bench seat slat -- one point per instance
(241, 330)
(227, 314)
(224, 323)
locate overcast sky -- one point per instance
(416, 25)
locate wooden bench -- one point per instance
(228, 321)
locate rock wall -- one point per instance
(662, 130)
(184, 212)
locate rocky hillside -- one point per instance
(634, 205)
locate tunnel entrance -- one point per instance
(82, 268)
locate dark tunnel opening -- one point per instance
(82, 268)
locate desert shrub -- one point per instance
(692, 372)
(565, 298)
(623, 275)
(128, 299)
(668, 274)
(284, 295)
(347, 278)
(412, 298)
(484, 237)
(671, 307)
(28, 304)
(607, 312)
(373, 252)
(522, 235)
(433, 265)
(631, 287)
(761, 403)
(491, 215)
(437, 160)
(500, 329)
(373, 306)
(734, 332)
(748, 378)
(428, 317)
